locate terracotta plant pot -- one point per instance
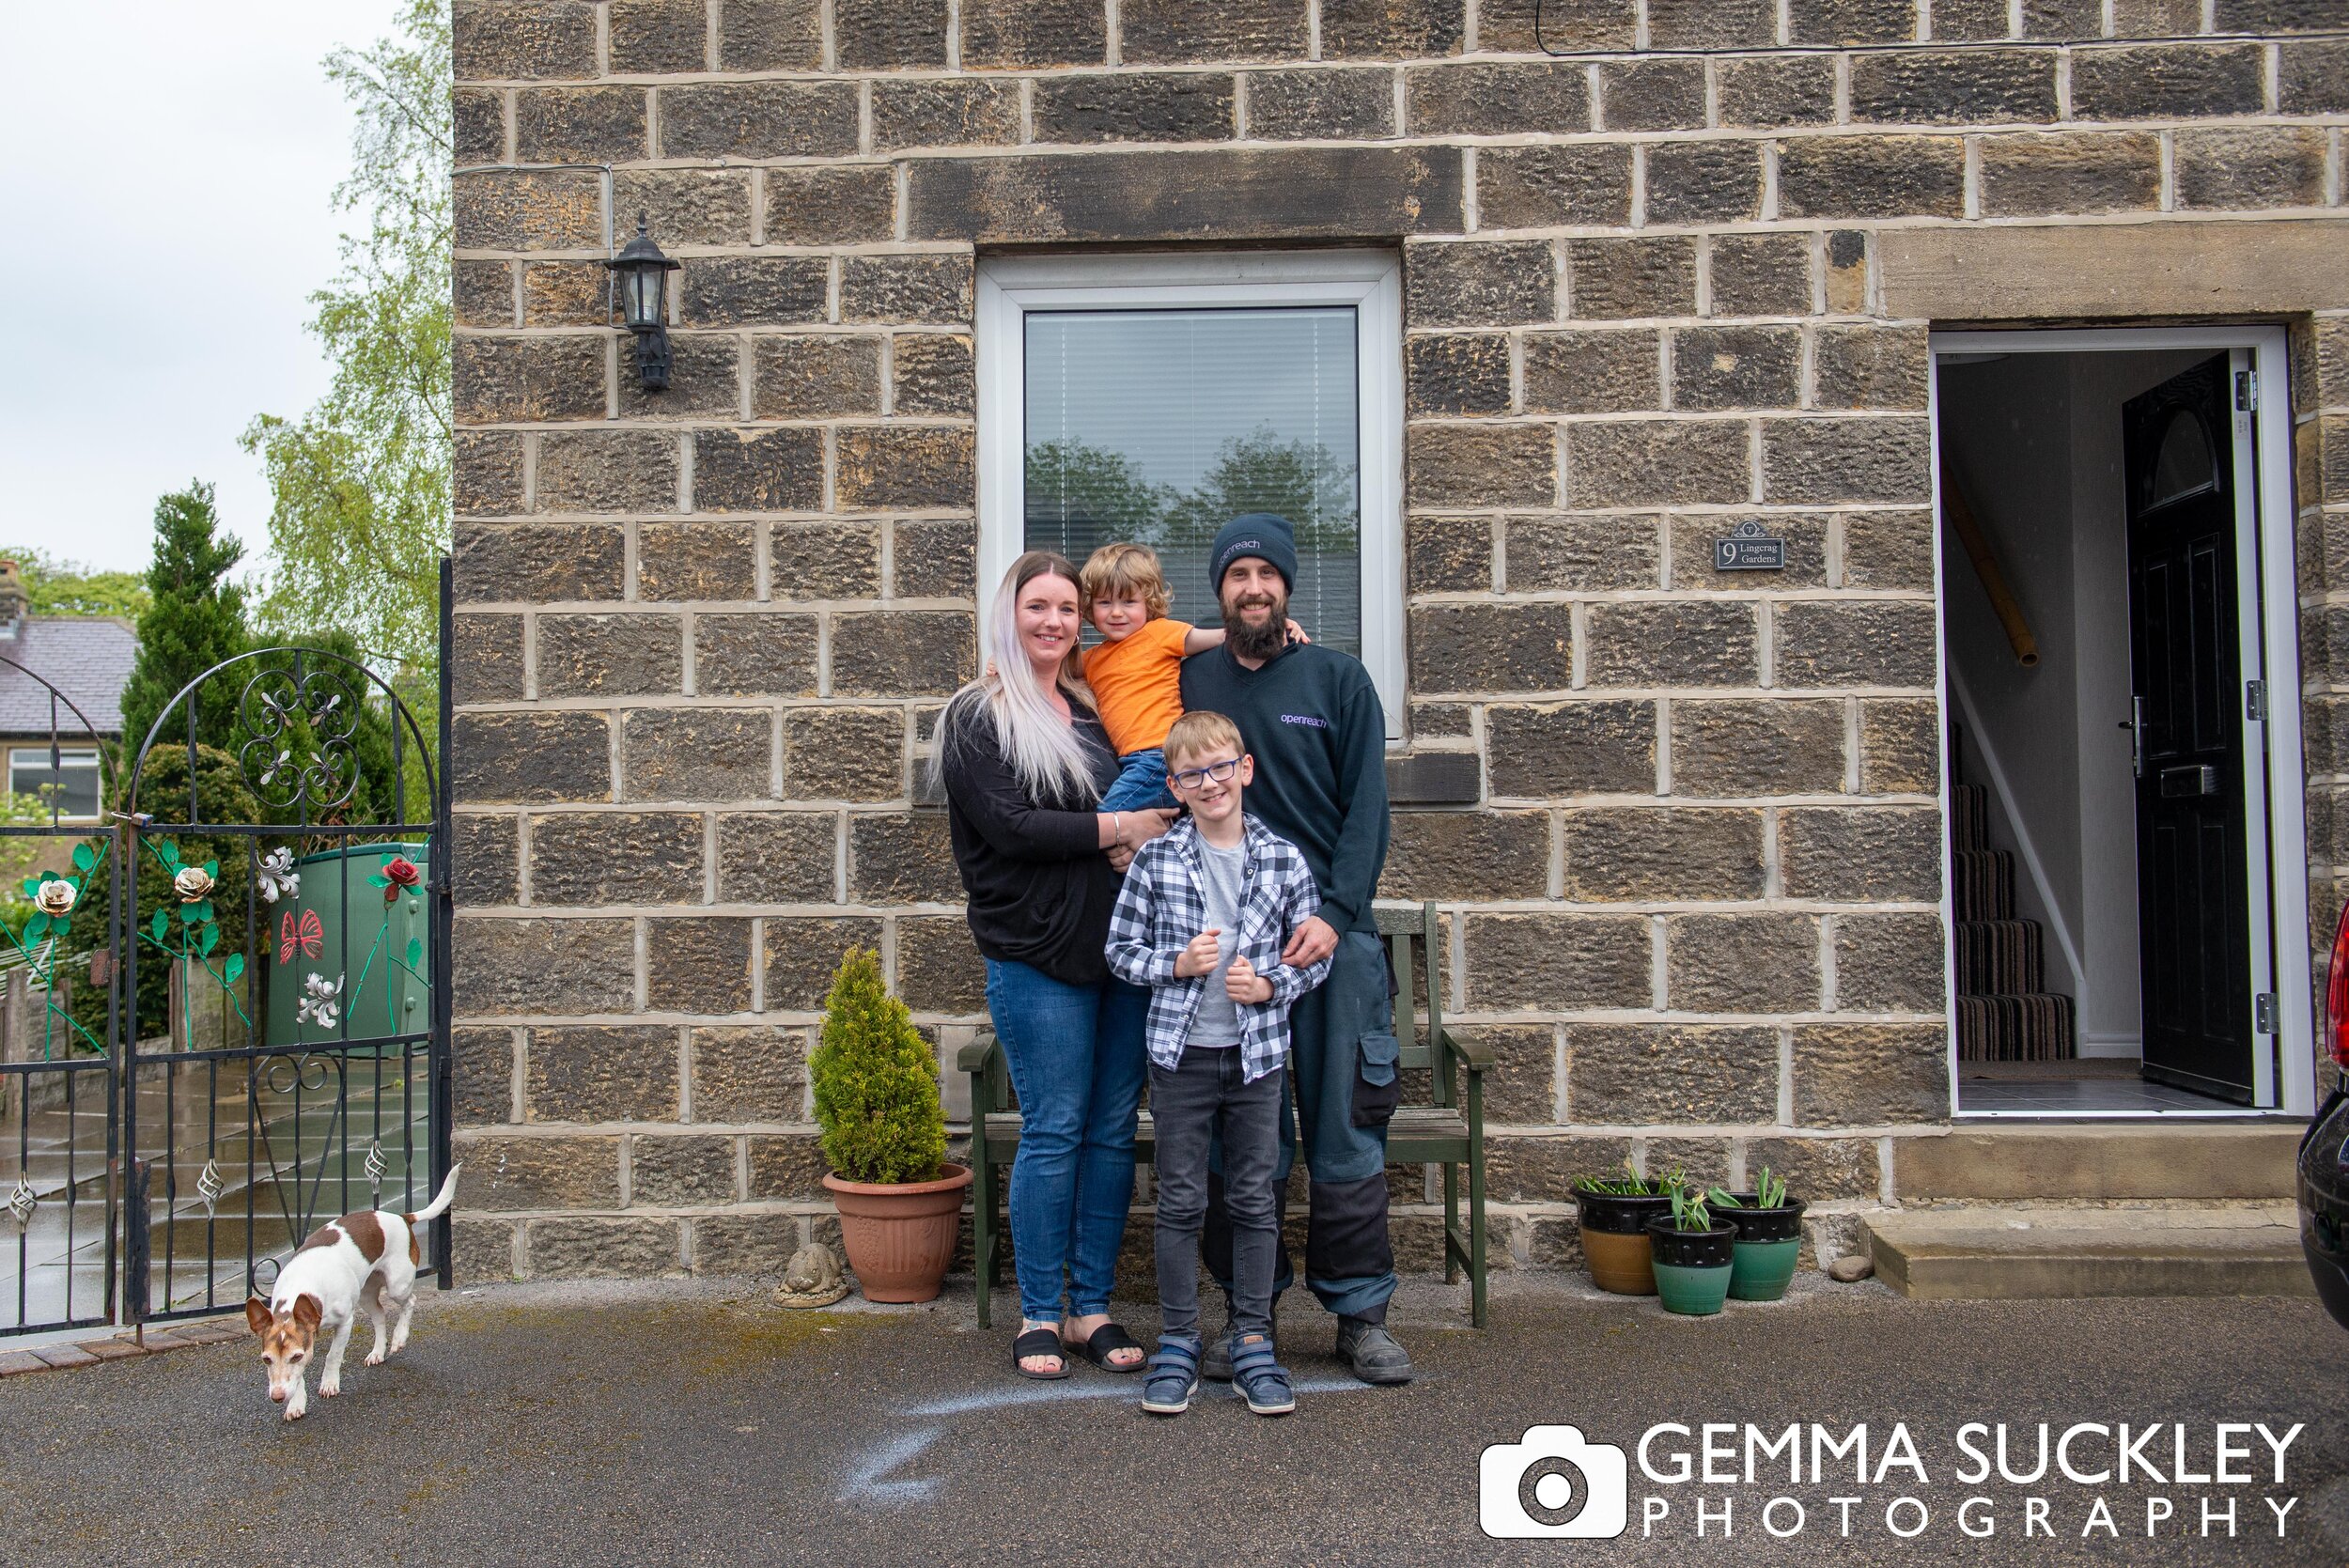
(1614, 1239)
(900, 1236)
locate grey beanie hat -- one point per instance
(1264, 535)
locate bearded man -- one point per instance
(1313, 722)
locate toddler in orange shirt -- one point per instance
(1136, 671)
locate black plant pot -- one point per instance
(1618, 1214)
(1782, 1224)
(1679, 1249)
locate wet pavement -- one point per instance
(694, 1422)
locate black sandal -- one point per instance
(1039, 1341)
(1098, 1345)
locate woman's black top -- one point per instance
(1040, 886)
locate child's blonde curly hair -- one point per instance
(1125, 571)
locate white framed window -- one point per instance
(1154, 397)
(73, 775)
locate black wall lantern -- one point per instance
(642, 272)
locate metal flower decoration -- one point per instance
(322, 1001)
(193, 883)
(398, 872)
(55, 897)
(277, 878)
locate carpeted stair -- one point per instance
(2004, 1011)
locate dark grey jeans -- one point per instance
(1204, 1098)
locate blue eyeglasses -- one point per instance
(1193, 778)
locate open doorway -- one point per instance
(2125, 829)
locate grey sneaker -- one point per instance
(1372, 1354)
(1215, 1365)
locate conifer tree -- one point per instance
(195, 619)
(875, 1081)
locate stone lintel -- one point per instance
(2071, 270)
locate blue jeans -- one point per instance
(1141, 783)
(1078, 1065)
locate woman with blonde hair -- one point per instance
(1024, 761)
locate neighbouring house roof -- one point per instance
(88, 657)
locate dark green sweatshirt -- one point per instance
(1312, 720)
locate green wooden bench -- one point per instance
(1449, 1132)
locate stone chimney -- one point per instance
(15, 604)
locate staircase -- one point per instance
(2005, 1013)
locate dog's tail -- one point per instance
(440, 1204)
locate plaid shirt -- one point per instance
(1163, 906)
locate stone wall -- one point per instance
(1694, 898)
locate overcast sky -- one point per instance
(167, 197)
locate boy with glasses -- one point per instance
(1205, 914)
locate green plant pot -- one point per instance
(1761, 1270)
(1693, 1291)
(1692, 1267)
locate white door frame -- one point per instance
(2276, 826)
(1368, 282)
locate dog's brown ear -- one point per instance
(256, 1315)
(308, 1310)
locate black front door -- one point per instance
(2194, 916)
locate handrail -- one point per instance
(2003, 600)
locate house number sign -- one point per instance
(1748, 548)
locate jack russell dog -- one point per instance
(366, 1259)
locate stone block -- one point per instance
(1899, 747)
(483, 1251)
(1889, 549)
(1760, 274)
(1712, 25)
(758, 120)
(1804, 534)
(1012, 33)
(485, 294)
(1687, 642)
(1736, 368)
(508, 965)
(1287, 192)
(488, 859)
(1954, 86)
(839, 205)
(1549, 749)
(1638, 853)
(1392, 30)
(579, 125)
(2312, 78)
(1618, 278)
(763, 654)
(904, 468)
(1357, 105)
(1671, 1073)
(674, 1171)
(530, 757)
(1521, 1086)
(1543, 961)
(1846, 271)
(678, 560)
(1430, 720)
(1816, 1170)
(1776, 91)
(1871, 643)
(500, 209)
(1871, 1075)
(903, 653)
(1448, 554)
(844, 753)
(2070, 172)
(596, 858)
(568, 294)
(907, 288)
(686, 207)
(759, 470)
(1870, 367)
(1133, 106)
(696, 753)
(534, 564)
(1181, 32)
(1872, 176)
(753, 290)
(952, 112)
(1851, 20)
(506, 1173)
(938, 971)
(769, 35)
(1580, 554)
(608, 470)
(1651, 462)
(802, 954)
(616, 656)
(1605, 370)
(1492, 647)
(1651, 95)
(1690, 182)
(1478, 855)
(2168, 81)
(1889, 963)
(657, 36)
(902, 858)
(744, 1246)
(501, 41)
(486, 658)
(1535, 187)
(1523, 26)
(699, 964)
(1970, 20)
(1811, 460)
(884, 34)
(2069, 19)
(481, 1072)
(1543, 1170)
(930, 373)
(748, 1073)
(1705, 1160)
(2270, 166)
(705, 379)
(1478, 284)
(790, 1166)
(486, 474)
(935, 559)
(1742, 963)
(1456, 373)
(626, 1073)
(527, 380)
(1860, 855)
(588, 1248)
(816, 377)
(777, 857)
(1494, 99)
(1757, 748)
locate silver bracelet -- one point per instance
(1117, 830)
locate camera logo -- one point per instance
(1552, 1483)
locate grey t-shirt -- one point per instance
(1215, 1025)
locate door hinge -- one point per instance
(2264, 1013)
(2246, 390)
(2255, 700)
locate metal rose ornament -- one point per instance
(398, 872)
(193, 883)
(55, 897)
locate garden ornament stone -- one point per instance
(813, 1279)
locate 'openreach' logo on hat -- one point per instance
(1237, 549)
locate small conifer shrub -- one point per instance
(875, 1081)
